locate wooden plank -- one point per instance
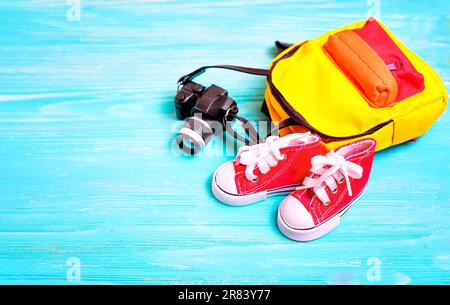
(87, 171)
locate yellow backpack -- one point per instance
(355, 82)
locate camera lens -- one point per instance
(194, 135)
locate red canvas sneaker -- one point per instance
(335, 184)
(275, 167)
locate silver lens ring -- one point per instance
(194, 135)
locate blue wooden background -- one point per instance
(87, 173)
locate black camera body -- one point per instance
(201, 106)
(185, 99)
(212, 102)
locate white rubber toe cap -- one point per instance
(294, 214)
(225, 178)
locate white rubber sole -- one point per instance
(242, 200)
(315, 232)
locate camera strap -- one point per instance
(252, 135)
(281, 46)
(250, 131)
(254, 71)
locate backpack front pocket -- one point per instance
(374, 64)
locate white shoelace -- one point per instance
(327, 170)
(266, 155)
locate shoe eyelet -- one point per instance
(255, 180)
(334, 191)
(283, 157)
(327, 203)
(341, 181)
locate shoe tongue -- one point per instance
(349, 152)
(294, 139)
(343, 153)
